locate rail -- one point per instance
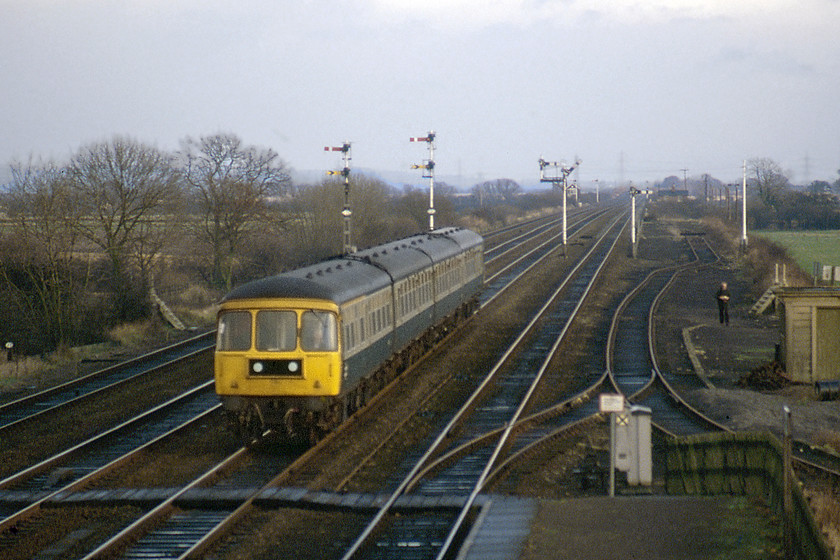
(410, 479)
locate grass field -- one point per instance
(807, 247)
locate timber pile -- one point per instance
(769, 376)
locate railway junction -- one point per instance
(499, 422)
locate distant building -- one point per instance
(673, 194)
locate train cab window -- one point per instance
(234, 331)
(318, 331)
(276, 331)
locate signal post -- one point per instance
(428, 168)
(346, 212)
(559, 179)
(633, 192)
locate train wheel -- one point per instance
(295, 426)
(320, 425)
(315, 435)
(250, 426)
(363, 393)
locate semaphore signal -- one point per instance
(428, 167)
(559, 179)
(633, 193)
(346, 212)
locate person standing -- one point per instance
(722, 297)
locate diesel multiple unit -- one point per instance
(300, 351)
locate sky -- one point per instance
(636, 89)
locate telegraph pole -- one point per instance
(428, 167)
(559, 180)
(346, 212)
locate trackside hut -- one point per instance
(810, 337)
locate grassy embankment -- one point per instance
(807, 247)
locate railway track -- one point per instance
(86, 462)
(190, 521)
(498, 401)
(174, 525)
(189, 494)
(633, 371)
(506, 265)
(32, 406)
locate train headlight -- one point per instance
(276, 368)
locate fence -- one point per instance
(826, 275)
(743, 464)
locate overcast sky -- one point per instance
(638, 89)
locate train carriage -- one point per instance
(300, 351)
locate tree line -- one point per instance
(83, 241)
(773, 201)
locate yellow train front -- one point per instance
(300, 351)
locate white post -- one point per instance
(787, 499)
(346, 212)
(612, 404)
(564, 216)
(558, 181)
(744, 208)
(431, 181)
(612, 454)
(430, 168)
(633, 192)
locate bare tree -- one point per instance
(508, 189)
(414, 204)
(124, 189)
(498, 189)
(373, 220)
(770, 181)
(316, 214)
(233, 185)
(44, 222)
(379, 213)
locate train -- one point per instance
(299, 352)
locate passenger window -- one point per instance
(234, 331)
(276, 331)
(318, 331)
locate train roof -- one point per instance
(336, 280)
(403, 257)
(345, 278)
(466, 238)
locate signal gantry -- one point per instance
(560, 180)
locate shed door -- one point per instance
(828, 344)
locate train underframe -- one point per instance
(308, 419)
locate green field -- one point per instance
(807, 247)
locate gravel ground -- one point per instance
(726, 353)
